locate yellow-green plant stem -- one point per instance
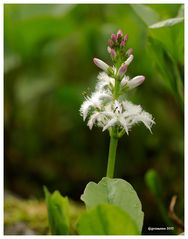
(112, 156)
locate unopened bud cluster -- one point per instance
(108, 106)
(117, 48)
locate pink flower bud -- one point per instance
(101, 64)
(122, 43)
(129, 51)
(119, 34)
(136, 81)
(113, 53)
(110, 43)
(125, 37)
(114, 37)
(122, 70)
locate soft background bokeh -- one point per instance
(48, 70)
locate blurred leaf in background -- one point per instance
(48, 50)
(58, 212)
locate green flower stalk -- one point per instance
(108, 106)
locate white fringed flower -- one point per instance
(134, 114)
(95, 102)
(105, 82)
(122, 114)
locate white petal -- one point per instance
(145, 118)
(131, 108)
(98, 97)
(104, 81)
(111, 123)
(93, 119)
(85, 109)
(124, 124)
(105, 95)
(109, 114)
(95, 101)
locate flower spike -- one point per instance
(108, 107)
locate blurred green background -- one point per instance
(48, 69)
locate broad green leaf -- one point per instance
(58, 212)
(147, 14)
(117, 192)
(106, 219)
(167, 23)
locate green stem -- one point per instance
(113, 137)
(112, 156)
